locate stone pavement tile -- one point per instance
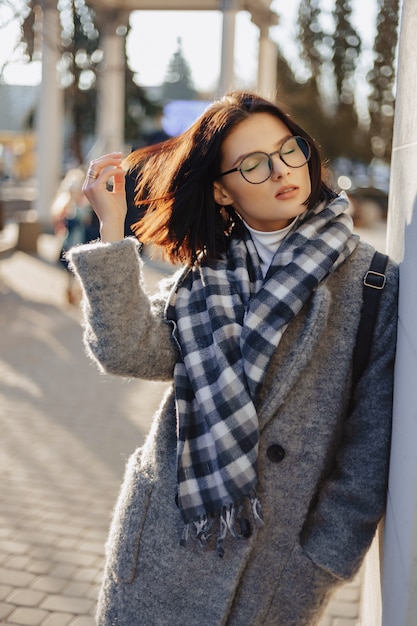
(344, 609)
(4, 591)
(62, 571)
(25, 597)
(78, 589)
(67, 604)
(344, 604)
(15, 578)
(58, 619)
(349, 593)
(27, 617)
(49, 584)
(96, 535)
(42, 552)
(91, 547)
(93, 592)
(39, 567)
(67, 543)
(75, 558)
(66, 530)
(87, 574)
(84, 621)
(13, 547)
(17, 562)
(5, 610)
(29, 531)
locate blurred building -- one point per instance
(17, 139)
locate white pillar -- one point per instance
(267, 64)
(111, 96)
(227, 70)
(49, 115)
(399, 597)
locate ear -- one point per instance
(221, 195)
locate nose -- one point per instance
(279, 168)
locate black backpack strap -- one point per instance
(373, 284)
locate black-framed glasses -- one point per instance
(257, 167)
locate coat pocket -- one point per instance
(302, 593)
(128, 520)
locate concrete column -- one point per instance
(399, 597)
(49, 115)
(267, 64)
(111, 96)
(227, 71)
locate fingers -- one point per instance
(119, 180)
(108, 202)
(101, 169)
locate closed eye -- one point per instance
(251, 162)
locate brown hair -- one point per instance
(175, 181)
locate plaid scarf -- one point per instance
(229, 321)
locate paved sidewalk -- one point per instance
(66, 432)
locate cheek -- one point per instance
(307, 182)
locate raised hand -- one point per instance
(109, 204)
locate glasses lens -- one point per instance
(256, 167)
(295, 152)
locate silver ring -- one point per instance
(92, 174)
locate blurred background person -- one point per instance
(74, 222)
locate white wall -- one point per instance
(399, 589)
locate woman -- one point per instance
(261, 483)
(74, 222)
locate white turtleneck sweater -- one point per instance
(267, 243)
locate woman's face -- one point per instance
(270, 205)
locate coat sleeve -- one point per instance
(124, 329)
(352, 499)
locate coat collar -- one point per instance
(294, 353)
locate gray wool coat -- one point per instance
(322, 466)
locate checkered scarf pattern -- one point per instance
(229, 321)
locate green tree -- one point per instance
(12, 12)
(310, 35)
(178, 83)
(300, 99)
(330, 55)
(137, 107)
(382, 78)
(330, 50)
(346, 48)
(79, 65)
(80, 57)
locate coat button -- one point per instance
(275, 453)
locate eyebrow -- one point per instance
(277, 143)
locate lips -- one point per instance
(286, 192)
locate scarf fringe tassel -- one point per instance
(229, 519)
